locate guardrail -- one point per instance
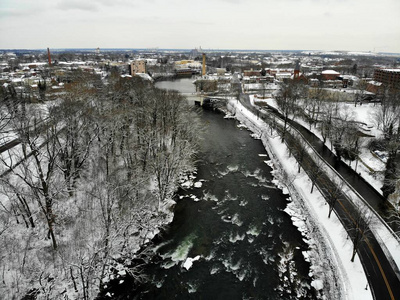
(377, 217)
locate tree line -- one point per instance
(89, 182)
(323, 110)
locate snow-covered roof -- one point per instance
(392, 70)
(351, 77)
(376, 83)
(330, 72)
(145, 76)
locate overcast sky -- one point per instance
(355, 25)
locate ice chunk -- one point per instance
(198, 184)
(317, 284)
(189, 262)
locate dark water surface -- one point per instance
(245, 244)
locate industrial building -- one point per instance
(389, 77)
(137, 66)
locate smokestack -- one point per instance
(48, 56)
(204, 65)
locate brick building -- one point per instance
(252, 72)
(329, 75)
(389, 77)
(137, 66)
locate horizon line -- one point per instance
(190, 49)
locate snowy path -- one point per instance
(388, 281)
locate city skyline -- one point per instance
(347, 25)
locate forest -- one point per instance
(89, 183)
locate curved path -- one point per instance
(383, 280)
(374, 199)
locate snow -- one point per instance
(392, 70)
(326, 237)
(189, 262)
(317, 284)
(198, 184)
(330, 72)
(371, 167)
(383, 234)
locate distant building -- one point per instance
(297, 75)
(348, 80)
(329, 75)
(187, 67)
(137, 66)
(314, 82)
(389, 77)
(221, 71)
(195, 53)
(283, 76)
(252, 72)
(332, 83)
(374, 86)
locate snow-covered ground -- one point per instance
(370, 166)
(25, 255)
(309, 213)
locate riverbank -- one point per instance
(330, 250)
(117, 281)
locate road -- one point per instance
(382, 278)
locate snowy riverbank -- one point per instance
(330, 250)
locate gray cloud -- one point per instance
(77, 5)
(233, 1)
(257, 24)
(11, 13)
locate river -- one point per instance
(239, 241)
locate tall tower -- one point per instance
(204, 65)
(48, 56)
(296, 70)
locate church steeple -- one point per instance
(296, 70)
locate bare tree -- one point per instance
(333, 191)
(120, 151)
(287, 99)
(330, 112)
(313, 105)
(36, 167)
(394, 208)
(360, 221)
(300, 151)
(361, 92)
(315, 170)
(8, 101)
(78, 131)
(387, 117)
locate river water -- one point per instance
(243, 245)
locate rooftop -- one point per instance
(330, 72)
